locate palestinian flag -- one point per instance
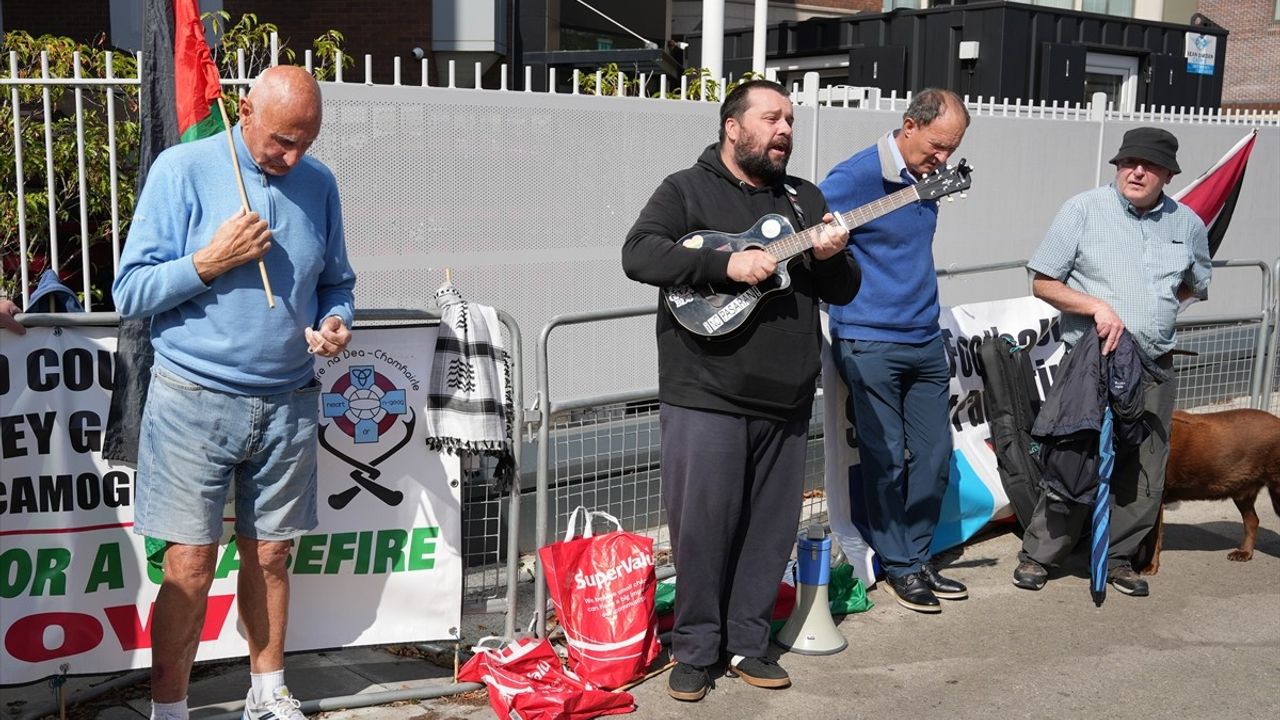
(1213, 195)
(179, 80)
(179, 86)
(195, 77)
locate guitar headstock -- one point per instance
(945, 181)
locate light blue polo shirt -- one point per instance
(1102, 246)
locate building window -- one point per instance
(907, 4)
(1123, 8)
(1116, 76)
(1277, 10)
(1060, 4)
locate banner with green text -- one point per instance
(384, 566)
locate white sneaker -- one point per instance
(281, 706)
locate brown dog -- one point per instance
(1215, 456)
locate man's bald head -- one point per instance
(280, 117)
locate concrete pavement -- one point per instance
(1206, 643)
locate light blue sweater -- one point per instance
(223, 335)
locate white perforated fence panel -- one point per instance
(527, 198)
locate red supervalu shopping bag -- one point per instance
(526, 681)
(602, 587)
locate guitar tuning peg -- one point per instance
(951, 198)
(964, 195)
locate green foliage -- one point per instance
(66, 178)
(324, 52)
(254, 38)
(700, 84)
(247, 33)
(608, 78)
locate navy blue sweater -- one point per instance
(898, 301)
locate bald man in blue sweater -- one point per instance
(888, 347)
(233, 398)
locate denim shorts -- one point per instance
(195, 442)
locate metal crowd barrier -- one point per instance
(1271, 380)
(1229, 365)
(491, 552)
(604, 451)
(490, 581)
(608, 407)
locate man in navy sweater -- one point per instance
(888, 346)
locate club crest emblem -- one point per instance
(365, 406)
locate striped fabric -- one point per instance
(1100, 544)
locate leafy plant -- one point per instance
(253, 37)
(61, 121)
(700, 86)
(247, 33)
(607, 79)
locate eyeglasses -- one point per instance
(1131, 163)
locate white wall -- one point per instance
(527, 199)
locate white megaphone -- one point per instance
(810, 629)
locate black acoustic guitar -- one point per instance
(717, 311)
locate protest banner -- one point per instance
(384, 565)
(975, 495)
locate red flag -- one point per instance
(1213, 195)
(195, 77)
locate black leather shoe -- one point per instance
(913, 593)
(945, 588)
(1030, 575)
(688, 682)
(1127, 581)
(759, 671)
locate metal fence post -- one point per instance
(1270, 381)
(513, 503)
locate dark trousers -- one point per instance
(1137, 487)
(899, 396)
(733, 489)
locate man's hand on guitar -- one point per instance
(751, 266)
(831, 240)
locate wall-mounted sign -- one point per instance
(1201, 50)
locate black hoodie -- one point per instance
(768, 367)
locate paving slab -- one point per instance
(1206, 643)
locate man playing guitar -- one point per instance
(735, 408)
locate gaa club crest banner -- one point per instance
(384, 565)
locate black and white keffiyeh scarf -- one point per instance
(469, 397)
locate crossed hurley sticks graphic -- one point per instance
(366, 475)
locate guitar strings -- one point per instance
(803, 240)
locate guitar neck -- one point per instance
(789, 247)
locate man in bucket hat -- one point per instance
(1123, 256)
